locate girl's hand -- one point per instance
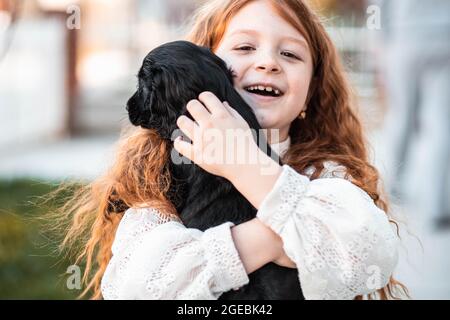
(219, 135)
(223, 144)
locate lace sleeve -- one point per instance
(341, 242)
(156, 257)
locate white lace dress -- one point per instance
(343, 245)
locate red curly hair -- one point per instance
(140, 176)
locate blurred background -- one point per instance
(67, 69)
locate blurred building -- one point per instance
(58, 79)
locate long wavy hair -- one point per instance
(140, 176)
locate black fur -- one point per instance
(171, 76)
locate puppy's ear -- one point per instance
(160, 97)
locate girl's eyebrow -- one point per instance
(299, 41)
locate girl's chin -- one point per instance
(264, 117)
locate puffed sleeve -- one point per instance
(342, 243)
(156, 257)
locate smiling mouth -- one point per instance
(264, 91)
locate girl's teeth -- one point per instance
(262, 88)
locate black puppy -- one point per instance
(171, 76)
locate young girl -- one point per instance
(321, 212)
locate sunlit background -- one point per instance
(68, 67)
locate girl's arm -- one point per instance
(156, 257)
(258, 245)
(249, 236)
(341, 242)
(253, 179)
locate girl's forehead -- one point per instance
(260, 18)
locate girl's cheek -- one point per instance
(240, 68)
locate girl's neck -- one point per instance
(281, 147)
(274, 136)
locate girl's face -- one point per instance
(265, 50)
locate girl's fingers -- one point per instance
(214, 105)
(187, 126)
(198, 111)
(233, 112)
(184, 147)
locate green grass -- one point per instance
(29, 268)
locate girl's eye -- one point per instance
(290, 55)
(245, 48)
(285, 53)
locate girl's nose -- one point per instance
(268, 63)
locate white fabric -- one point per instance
(155, 257)
(342, 244)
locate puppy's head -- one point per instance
(172, 75)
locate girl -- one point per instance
(321, 212)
